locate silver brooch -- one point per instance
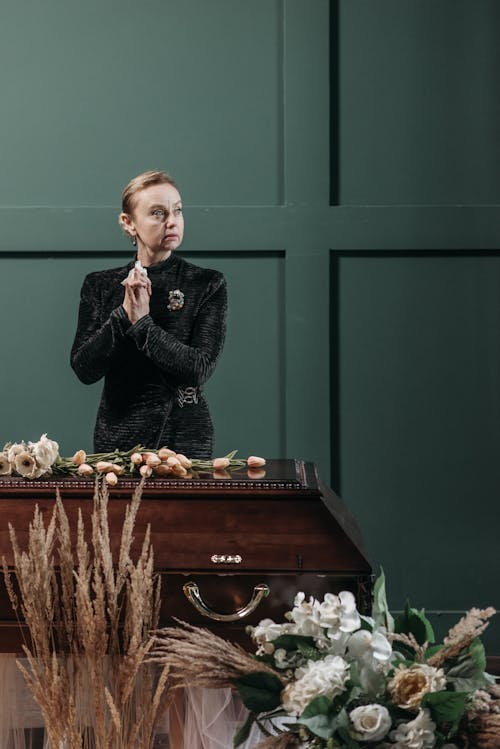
(175, 300)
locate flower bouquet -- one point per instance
(330, 677)
(31, 460)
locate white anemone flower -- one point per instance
(373, 653)
(305, 617)
(265, 632)
(416, 734)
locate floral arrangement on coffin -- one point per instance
(330, 677)
(34, 459)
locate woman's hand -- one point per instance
(137, 294)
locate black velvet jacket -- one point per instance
(155, 368)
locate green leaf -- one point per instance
(309, 652)
(445, 707)
(293, 642)
(478, 654)
(380, 610)
(468, 671)
(317, 706)
(433, 650)
(416, 623)
(319, 717)
(259, 691)
(244, 732)
(265, 658)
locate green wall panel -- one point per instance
(419, 421)
(43, 395)
(418, 107)
(95, 92)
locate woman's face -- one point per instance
(156, 221)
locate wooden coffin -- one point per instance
(231, 551)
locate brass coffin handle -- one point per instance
(192, 593)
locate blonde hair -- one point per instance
(146, 179)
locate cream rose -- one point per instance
(326, 677)
(369, 722)
(408, 685)
(416, 734)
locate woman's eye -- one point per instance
(178, 211)
(159, 213)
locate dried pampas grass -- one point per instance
(89, 618)
(460, 636)
(196, 657)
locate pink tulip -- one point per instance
(111, 479)
(220, 463)
(255, 462)
(85, 470)
(79, 457)
(256, 473)
(163, 470)
(179, 470)
(165, 453)
(103, 466)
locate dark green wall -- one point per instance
(340, 163)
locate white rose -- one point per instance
(45, 452)
(416, 734)
(326, 677)
(369, 722)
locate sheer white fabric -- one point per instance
(205, 718)
(212, 718)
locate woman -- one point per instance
(155, 334)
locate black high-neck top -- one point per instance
(149, 366)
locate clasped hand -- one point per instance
(137, 295)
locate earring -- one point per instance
(133, 239)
